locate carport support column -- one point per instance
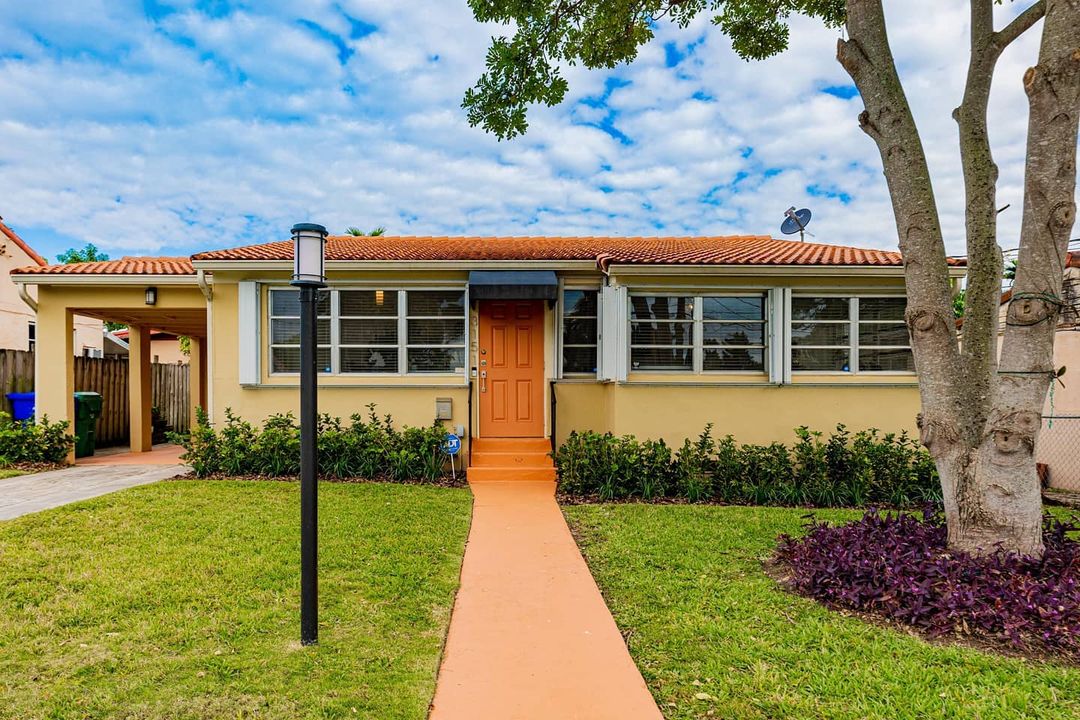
(139, 399)
(55, 363)
(197, 378)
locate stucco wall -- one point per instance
(167, 352)
(751, 414)
(16, 316)
(1059, 443)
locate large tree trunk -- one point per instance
(990, 504)
(1027, 355)
(980, 423)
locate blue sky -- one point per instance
(168, 127)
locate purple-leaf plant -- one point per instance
(898, 566)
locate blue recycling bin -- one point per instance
(22, 406)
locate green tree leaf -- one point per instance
(524, 69)
(90, 253)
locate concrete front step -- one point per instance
(541, 445)
(484, 474)
(511, 459)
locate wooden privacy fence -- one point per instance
(170, 390)
(16, 375)
(171, 385)
(109, 378)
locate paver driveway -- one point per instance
(40, 491)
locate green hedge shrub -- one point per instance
(33, 442)
(370, 448)
(843, 470)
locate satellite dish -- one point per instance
(796, 222)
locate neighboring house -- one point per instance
(1060, 436)
(528, 337)
(164, 347)
(18, 325)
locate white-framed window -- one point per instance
(698, 333)
(285, 332)
(733, 333)
(376, 331)
(32, 335)
(436, 331)
(884, 343)
(843, 334)
(368, 331)
(580, 323)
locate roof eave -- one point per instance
(340, 265)
(22, 245)
(614, 268)
(101, 279)
(766, 269)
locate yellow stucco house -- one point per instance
(518, 337)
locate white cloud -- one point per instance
(195, 131)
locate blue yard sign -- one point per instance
(453, 444)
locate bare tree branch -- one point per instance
(1019, 25)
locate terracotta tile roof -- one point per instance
(123, 266)
(730, 250)
(10, 234)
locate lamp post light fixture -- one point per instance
(309, 274)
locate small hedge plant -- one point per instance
(33, 443)
(370, 448)
(898, 566)
(844, 470)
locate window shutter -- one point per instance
(622, 326)
(609, 333)
(248, 324)
(777, 324)
(785, 328)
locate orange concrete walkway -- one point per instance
(531, 637)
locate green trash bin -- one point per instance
(87, 411)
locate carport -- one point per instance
(145, 294)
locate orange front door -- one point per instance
(512, 356)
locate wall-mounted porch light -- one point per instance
(151, 296)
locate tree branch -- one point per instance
(1053, 90)
(982, 21)
(979, 349)
(1019, 25)
(887, 119)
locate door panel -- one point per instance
(512, 356)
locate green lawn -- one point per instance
(715, 637)
(8, 473)
(180, 600)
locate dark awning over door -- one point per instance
(513, 285)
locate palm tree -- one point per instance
(380, 230)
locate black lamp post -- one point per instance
(309, 274)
